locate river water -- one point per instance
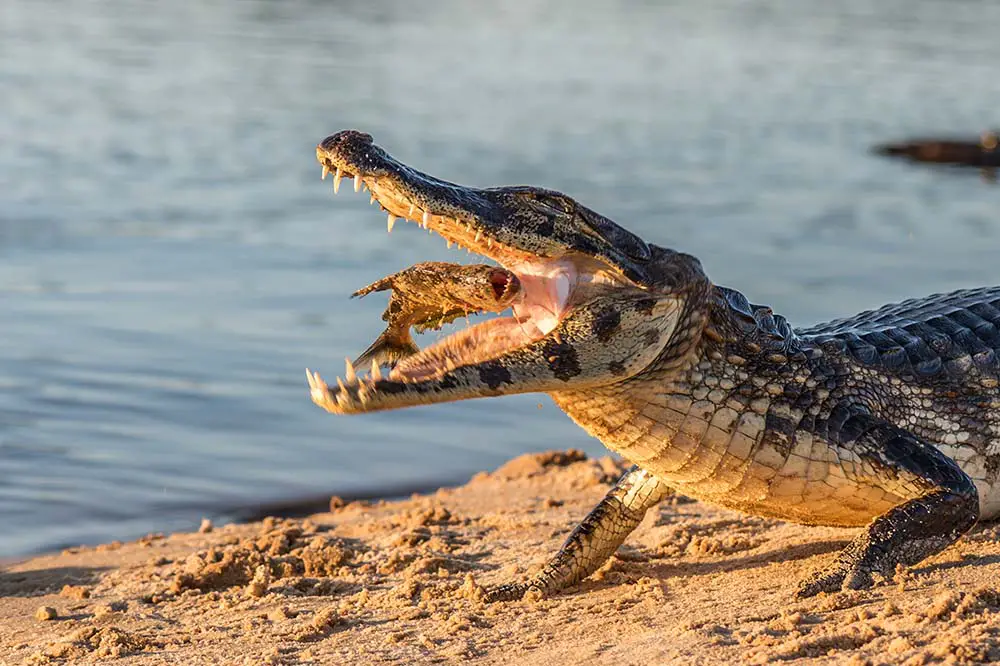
(170, 261)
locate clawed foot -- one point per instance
(510, 592)
(836, 577)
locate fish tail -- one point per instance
(378, 285)
(388, 349)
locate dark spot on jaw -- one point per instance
(562, 359)
(493, 374)
(616, 368)
(651, 337)
(392, 388)
(645, 305)
(606, 323)
(547, 228)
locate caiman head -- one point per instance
(598, 305)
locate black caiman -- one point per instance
(888, 420)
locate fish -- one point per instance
(427, 296)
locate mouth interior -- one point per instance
(501, 282)
(546, 285)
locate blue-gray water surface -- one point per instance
(170, 261)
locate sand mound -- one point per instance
(402, 583)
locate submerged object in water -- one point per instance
(983, 153)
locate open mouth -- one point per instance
(502, 224)
(546, 285)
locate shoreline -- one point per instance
(376, 581)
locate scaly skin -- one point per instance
(889, 420)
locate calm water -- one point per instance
(170, 261)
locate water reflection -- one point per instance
(170, 262)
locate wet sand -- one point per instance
(401, 582)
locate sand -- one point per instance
(401, 583)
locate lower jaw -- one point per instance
(483, 342)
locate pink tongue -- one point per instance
(545, 297)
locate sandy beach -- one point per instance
(401, 582)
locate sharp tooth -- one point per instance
(376, 371)
(479, 234)
(468, 227)
(371, 202)
(448, 243)
(426, 218)
(336, 180)
(326, 170)
(489, 242)
(340, 384)
(410, 214)
(350, 374)
(390, 222)
(357, 182)
(364, 186)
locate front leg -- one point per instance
(945, 505)
(594, 540)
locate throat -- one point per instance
(546, 289)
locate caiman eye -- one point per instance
(550, 205)
(619, 237)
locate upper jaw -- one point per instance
(462, 215)
(499, 223)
